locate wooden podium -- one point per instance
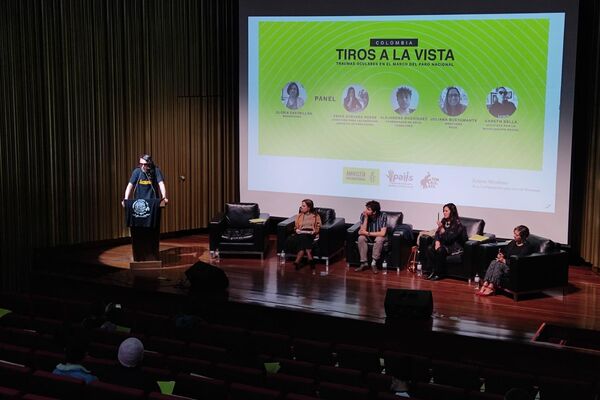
(142, 216)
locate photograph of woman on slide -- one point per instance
(294, 99)
(354, 102)
(453, 101)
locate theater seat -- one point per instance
(101, 391)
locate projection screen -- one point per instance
(413, 105)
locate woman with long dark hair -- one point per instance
(351, 102)
(306, 229)
(453, 102)
(449, 238)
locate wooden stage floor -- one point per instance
(344, 293)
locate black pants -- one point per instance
(436, 260)
(298, 242)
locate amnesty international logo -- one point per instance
(361, 176)
(429, 181)
(141, 208)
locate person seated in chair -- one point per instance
(449, 239)
(373, 229)
(306, 228)
(497, 271)
(75, 351)
(129, 372)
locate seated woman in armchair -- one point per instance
(449, 239)
(498, 269)
(306, 228)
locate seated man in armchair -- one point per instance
(373, 227)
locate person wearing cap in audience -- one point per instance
(130, 356)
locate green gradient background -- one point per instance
(488, 54)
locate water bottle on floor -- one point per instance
(419, 269)
(477, 281)
(217, 255)
(282, 257)
(384, 267)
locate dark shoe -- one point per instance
(298, 265)
(312, 263)
(435, 278)
(363, 266)
(431, 275)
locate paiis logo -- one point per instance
(141, 208)
(429, 181)
(404, 179)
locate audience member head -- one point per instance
(131, 352)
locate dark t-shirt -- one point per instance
(504, 109)
(144, 186)
(513, 250)
(454, 236)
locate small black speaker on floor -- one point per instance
(406, 303)
(206, 278)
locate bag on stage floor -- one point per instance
(206, 278)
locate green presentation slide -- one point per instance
(468, 92)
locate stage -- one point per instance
(339, 291)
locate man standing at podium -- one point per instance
(143, 212)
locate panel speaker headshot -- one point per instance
(502, 102)
(293, 95)
(453, 101)
(355, 98)
(404, 100)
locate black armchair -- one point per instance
(465, 264)
(546, 268)
(396, 249)
(232, 232)
(330, 241)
